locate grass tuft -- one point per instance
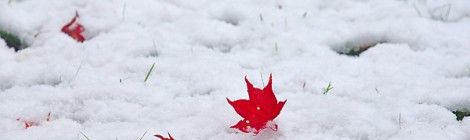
(461, 114)
(12, 41)
(327, 89)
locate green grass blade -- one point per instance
(150, 71)
(84, 135)
(143, 135)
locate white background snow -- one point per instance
(403, 88)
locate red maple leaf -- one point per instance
(74, 30)
(259, 110)
(163, 138)
(33, 123)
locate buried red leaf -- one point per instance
(259, 110)
(163, 138)
(33, 123)
(74, 29)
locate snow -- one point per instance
(405, 87)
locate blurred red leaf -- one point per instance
(261, 108)
(33, 123)
(74, 29)
(163, 138)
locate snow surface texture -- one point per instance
(403, 88)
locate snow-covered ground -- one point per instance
(403, 88)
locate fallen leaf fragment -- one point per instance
(74, 29)
(163, 138)
(259, 110)
(33, 123)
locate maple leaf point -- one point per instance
(74, 29)
(163, 138)
(259, 110)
